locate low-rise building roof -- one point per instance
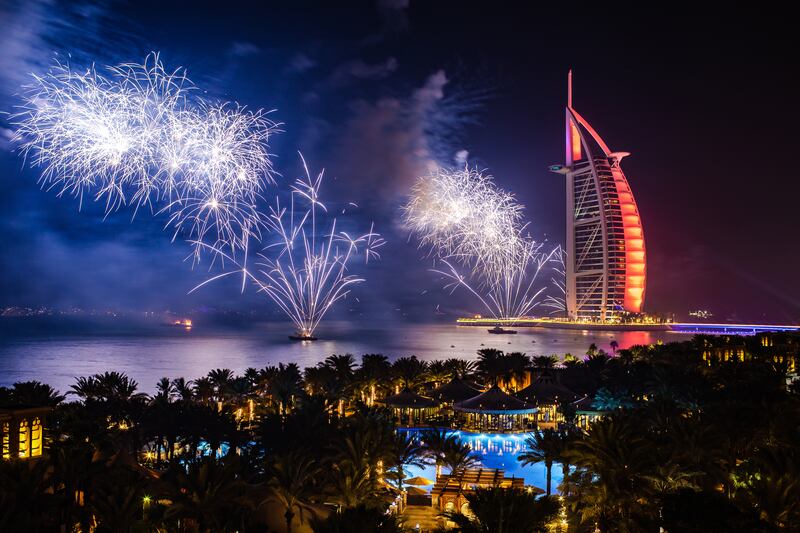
(545, 390)
(455, 391)
(495, 401)
(408, 399)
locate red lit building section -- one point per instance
(606, 264)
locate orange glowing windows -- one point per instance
(24, 439)
(575, 139)
(635, 281)
(635, 257)
(636, 268)
(634, 244)
(36, 438)
(6, 441)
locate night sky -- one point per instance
(376, 91)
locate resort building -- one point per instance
(22, 432)
(585, 413)
(450, 491)
(606, 265)
(782, 348)
(411, 409)
(495, 410)
(547, 396)
(455, 391)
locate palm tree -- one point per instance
(498, 510)
(351, 486)
(460, 368)
(439, 372)
(285, 384)
(183, 389)
(35, 393)
(404, 451)
(410, 372)
(26, 497)
(165, 389)
(117, 500)
(436, 443)
(490, 365)
(542, 447)
(544, 362)
(612, 458)
(373, 375)
(516, 366)
(204, 390)
(108, 387)
(290, 484)
(459, 457)
(207, 493)
(221, 379)
(359, 519)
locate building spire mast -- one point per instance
(569, 89)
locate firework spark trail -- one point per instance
(558, 302)
(304, 271)
(463, 218)
(141, 136)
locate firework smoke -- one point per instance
(142, 136)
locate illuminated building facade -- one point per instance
(22, 432)
(606, 268)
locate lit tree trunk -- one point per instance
(549, 467)
(288, 515)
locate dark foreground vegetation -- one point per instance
(694, 436)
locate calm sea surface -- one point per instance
(55, 352)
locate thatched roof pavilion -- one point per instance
(408, 399)
(496, 410)
(545, 391)
(495, 401)
(411, 408)
(456, 391)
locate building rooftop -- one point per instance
(456, 391)
(545, 390)
(495, 401)
(409, 399)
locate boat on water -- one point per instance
(302, 336)
(497, 330)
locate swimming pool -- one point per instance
(497, 450)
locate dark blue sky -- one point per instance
(374, 91)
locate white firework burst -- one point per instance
(469, 224)
(142, 136)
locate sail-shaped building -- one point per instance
(606, 268)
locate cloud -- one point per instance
(394, 14)
(36, 31)
(359, 70)
(243, 49)
(300, 63)
(385, 144)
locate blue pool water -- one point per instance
(497, 450)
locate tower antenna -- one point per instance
(569, 89)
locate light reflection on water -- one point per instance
(147, 354)
(497, 450)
